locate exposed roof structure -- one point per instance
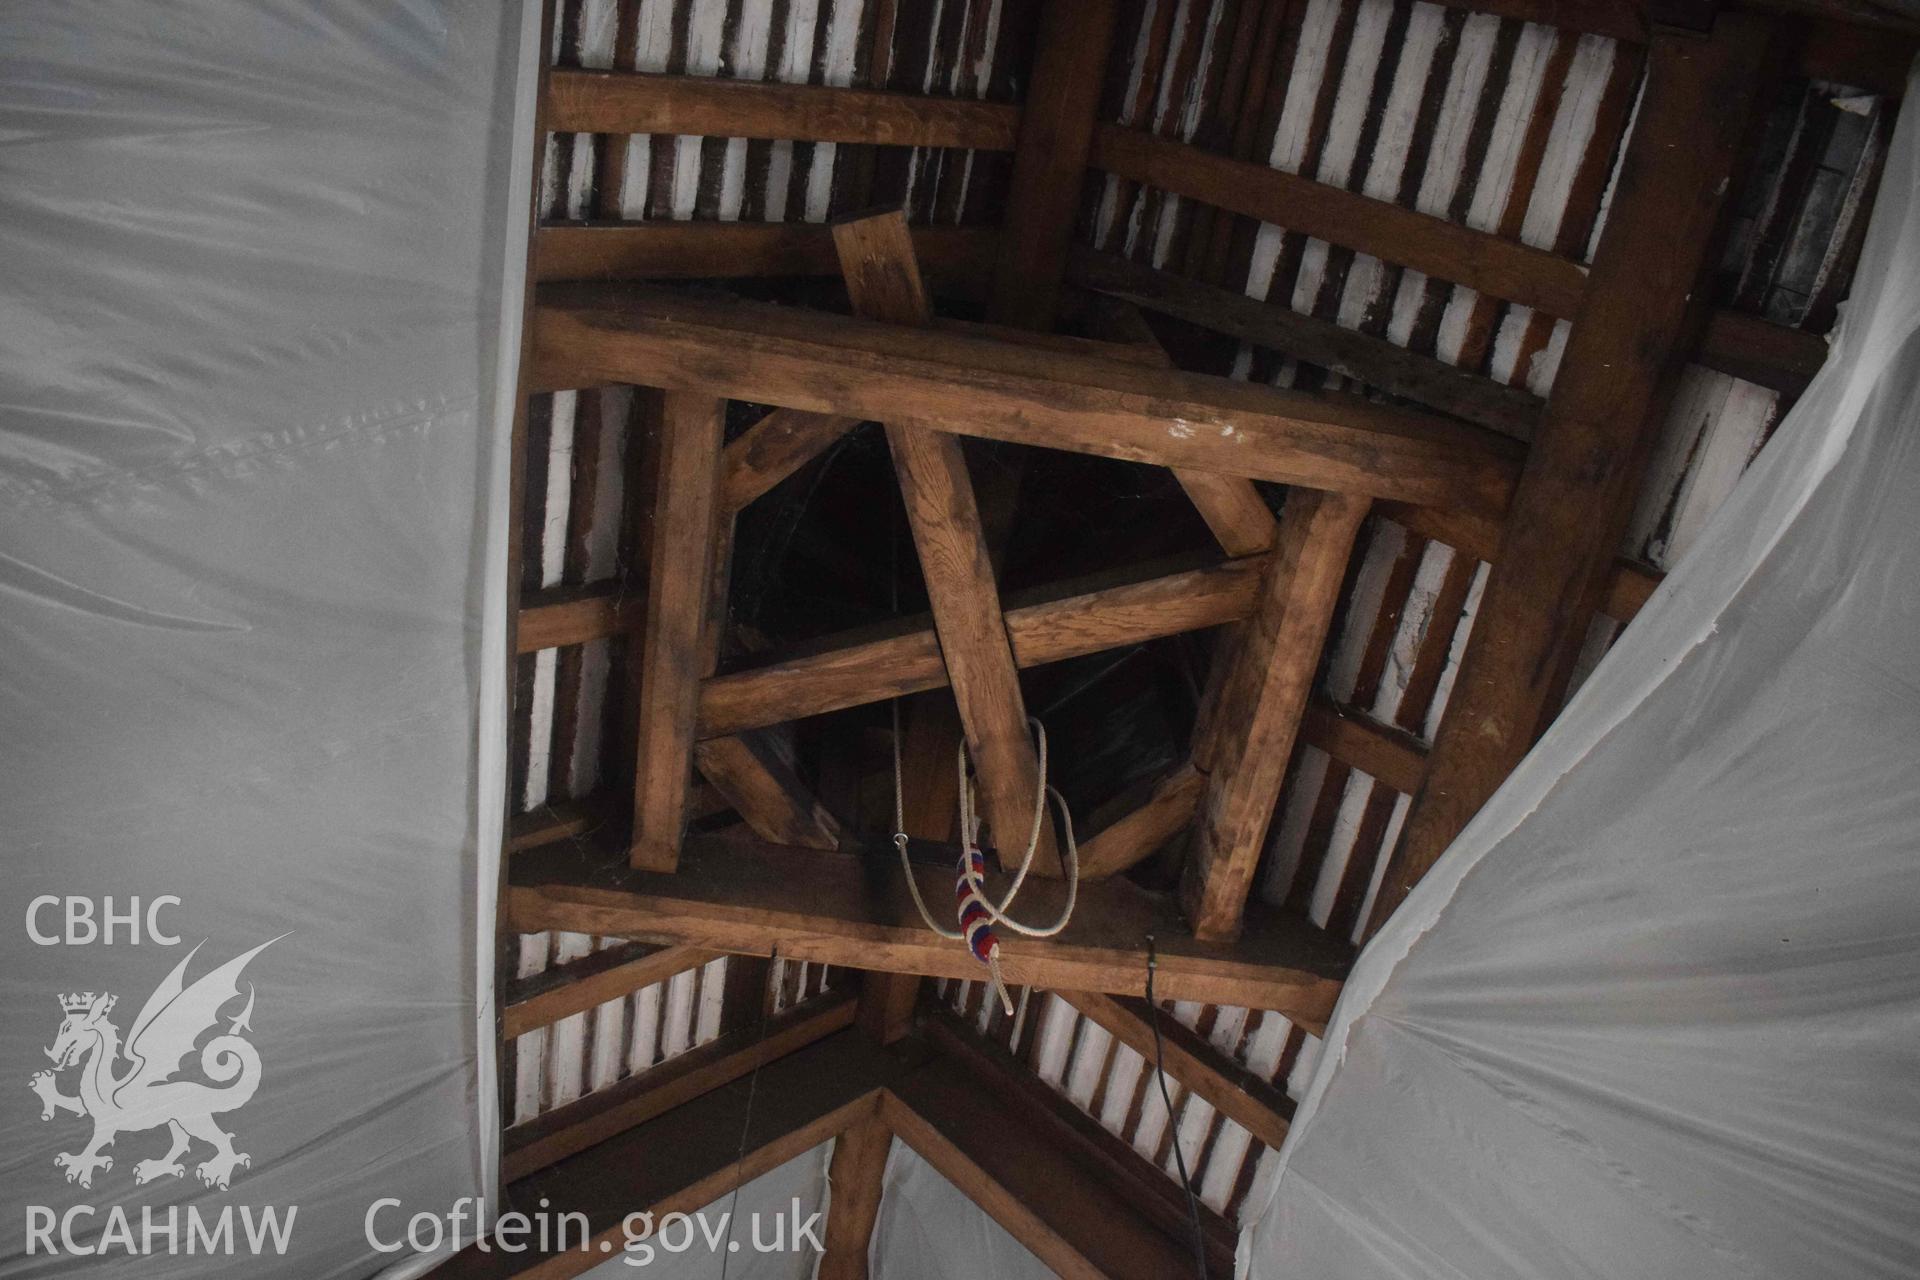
(1282, 402)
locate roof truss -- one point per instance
(1538, 487)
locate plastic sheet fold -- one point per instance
(258, 311)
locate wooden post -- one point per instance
(1050, 159)
(1257, 705)
(1607, 405)
(686, 525)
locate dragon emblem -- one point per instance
(143, 1093)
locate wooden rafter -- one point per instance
(1166, 812)
(1017, 392)
(775, 447)
(1254, 1104)
(1053, 624)
(590, 982)
(1057, 1122)
(758, 779)
(684, 1158)
(1446, 250)
(953, 257)
(1045, 1199)
(1049, 162)
(740, 895)
(1375, 361)
(592, 1119)
(1613, 383)
(619, 102)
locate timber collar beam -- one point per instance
(591, 335)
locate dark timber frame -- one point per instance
(1538, 487)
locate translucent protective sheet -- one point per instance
(259, 310)
(929, 1230)
(1656, 1013)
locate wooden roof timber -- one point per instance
(845, 909)
(1016, 392)
(1054, 1120)
(1245, 738)
(1259, 1106)
(580, 985)
(1493, 265)
(1071, 48)
(951, 543)
(1608, 400)
(687, 1156)
(1044, 1197)
(1511, 411)
(626, 102)
(1043, 626)
(591, 1119)
(958, 259)
(1081, 1199)
(856, 1176)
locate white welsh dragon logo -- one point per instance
(145, 1095)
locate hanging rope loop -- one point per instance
(978, 914)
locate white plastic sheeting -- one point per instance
(258, 317)
(1657, 1012)
(929, 1230)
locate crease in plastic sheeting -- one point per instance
(224, 340)
(492, 758)
(1531, 1105)
(1388, 1248)
(1875, 330)
(19, 578)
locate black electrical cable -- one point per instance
(1173, 1121)
(746, 1125)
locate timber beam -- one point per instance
(626, 102)
(936, 489)
(1026, 394)
(740, 895)
(1256, 1105)
(685, 1158)
(1491, 264)
(671, 1140)
(1074, 1223)
(589, 982)
(587, 1121)
(1051, 625)
(1255, 708)
(1058, 1123)
(1608, 401)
